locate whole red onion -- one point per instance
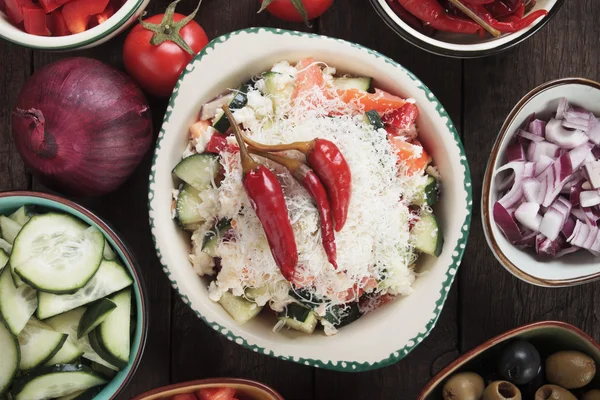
(81, 126)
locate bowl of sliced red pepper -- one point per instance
(66, 24)
(466, 28)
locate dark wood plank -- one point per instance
(197, 350)
(357, 21)
(492, 300)
(15, 68)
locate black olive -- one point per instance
(532, 386)
(520, 362)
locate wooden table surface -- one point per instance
(485, 299)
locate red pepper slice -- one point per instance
(57, 24)
(34, 20)
(105, 15)
(51, 5)
(77, 13)
(14, 10)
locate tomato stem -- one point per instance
(168, 29)
(298, 5)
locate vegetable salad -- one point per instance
(389, 221)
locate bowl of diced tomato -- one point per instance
(66, 24)
(213, 389)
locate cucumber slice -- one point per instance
(189, 206)
(280, 95)
(3, 259)
(94, 315)
(108, 253)
(299, 318)
(342, 315)
(239, 308)
(112, 339)
(373, 118)
(10, 229)
(22, 215)
(9, 362)
(360, 83)
(110, 278)
(88, 394)
(68, 323)
(199, 170)
(105, 371)
(57, 253)
(4, 245)
(55, 381)
(428, 193)
(68, 353)
(240, 99)
(17, 305)
(209, 110)
(38, 343)
(426, 235)
(211, 239)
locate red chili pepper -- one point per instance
(331, 167)
(410, 19)
(266, 196)
(311, 182)
(508, 26)
(432, 13)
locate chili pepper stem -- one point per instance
(469, 13)
(302, 147)
(248, 162)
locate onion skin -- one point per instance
(81, 126)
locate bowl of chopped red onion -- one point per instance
(541, 191)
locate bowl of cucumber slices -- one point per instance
(73, 317)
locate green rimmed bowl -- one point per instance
(11, 201)
(379, 338)
(116, 24)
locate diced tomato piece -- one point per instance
(77, 13)
(34, 20)
(309, 76)
(57, 24)
(51, 5)
(380, 101)
(216, 394)
(105, 15)
(14, 9)
(411, 154)
(402, 118)
(184, 396)
(217, 143)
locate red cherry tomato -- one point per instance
(157, 68)
(285, 9)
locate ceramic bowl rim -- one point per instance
(487, 189)
(457, 252)
(462, 54)
(211, 381)
(109, 230)
(469, 355)
(78, 43)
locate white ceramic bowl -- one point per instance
(128, 13)
(464, 46)
(577, 268)
(380, 338)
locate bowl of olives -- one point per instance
(540, 361)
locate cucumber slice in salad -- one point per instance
(211, 239)
(189, 206)
(240, 99)
(360, 83)
(111, 339)
(109, 253)
(239, 308)
(10, 229)
(38, 343)
(57, 253)
(17, 305)
(279, 92)
(299, 318)
(88, 394)
(68, 323)
(95, 314)
(4, 245)
(373, 118)
(110, 278)
(198, 170)
(427, 236)
(55, 381)
(3, 259)
(22, 215)
(68, 353)
(9, 362)
(428, 193)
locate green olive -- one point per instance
(570, 369)
(464, 386)
(592, 395)
(501, 390)
(553, 392)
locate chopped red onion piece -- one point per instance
(591, 215)
(556, 177)
(568, 227)
(593, 130)
(506, 183)
(579, 154)
(589, 198)
(531, 190)
(576, 191)
(537, 127)
(528, 240)
(577, 113)
(506, 223)
(592, 172)
(552, 223)
(543, 163)
(537, 149)
(530, 136)
(591, 239)
(563, 106)
(596, 152)
(566, 251)
(528, 215)
(566, 139)
(515, 152)
(580, 234)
